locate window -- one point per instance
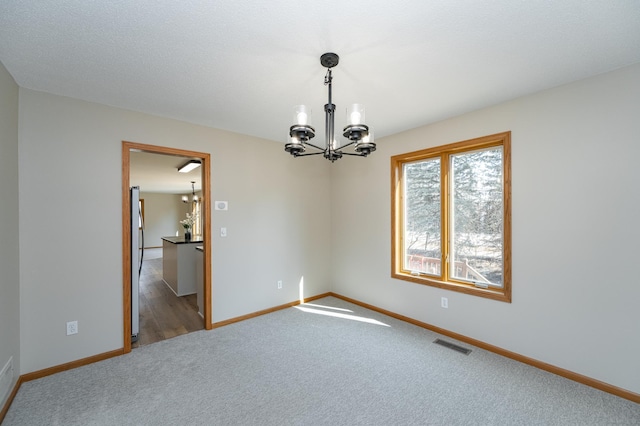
(195, 212)
(451, 214)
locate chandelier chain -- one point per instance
(327, 77)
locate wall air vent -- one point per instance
(452, 346)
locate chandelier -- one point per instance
(185, 198)
(358, 133)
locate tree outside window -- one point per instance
(452, 224)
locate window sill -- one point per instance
(501, 295)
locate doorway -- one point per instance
(127, 149)
(162, 314)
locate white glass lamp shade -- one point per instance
(369, 137)
(355, 114)
(302, 115)
(291, 139)
(294, 146)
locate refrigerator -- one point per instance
(137, 254)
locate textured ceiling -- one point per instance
(242, 65)
(159, 173)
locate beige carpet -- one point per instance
(324, 363)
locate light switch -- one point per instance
(223, 232)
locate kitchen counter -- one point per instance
(179, 264)
(181, 240)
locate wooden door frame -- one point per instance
(205, 158)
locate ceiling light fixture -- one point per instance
(188, 166)
(356, 131)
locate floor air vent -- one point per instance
(453, 346)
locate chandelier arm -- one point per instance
(309, 153)
(348, 144)
(314, 146)
(354, 154)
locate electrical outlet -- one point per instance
(444, 302)
(72, 328)
(279, 285)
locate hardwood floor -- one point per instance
(163, 314)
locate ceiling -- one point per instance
(242, 65)
(159, 173)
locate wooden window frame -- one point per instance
(397, 212)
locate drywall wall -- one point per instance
(575, 229)
(70, 247)
(9, 253)
(162, 216)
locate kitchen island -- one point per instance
(179, 264)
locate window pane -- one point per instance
(477, 216)
(422, 227)
(195, 212)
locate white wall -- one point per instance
(70, 248)
(575, 209)
(162, 216)
(9, 220)
(576, 204)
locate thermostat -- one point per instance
(221, 205)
